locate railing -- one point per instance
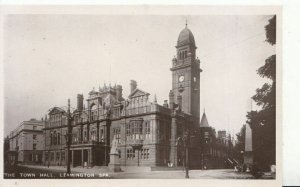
(135, 142)
(116, 112)
(94, 142)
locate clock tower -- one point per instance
(186, 74)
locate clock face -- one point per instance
(181, 78)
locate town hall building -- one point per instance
(147, 134)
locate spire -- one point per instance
(204, 121)
(185, 22)
(155, 99)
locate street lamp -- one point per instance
(186, 141)
(69, 137)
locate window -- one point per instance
(34, 127)
(130, 154)
(93, 112)
(85, 135)
(46, 156)
(147, 130)
(51, 139)
(147, 154)
(119, 151)
(52, 156)
(34, 146)
(30, 157)
(63, 156)
(75, 138)
(58, 138)
(54, 138)
(117, 134)
(34, 136)
(57, 156)
(134, 130)
(144, 154)
(128, 131)
(101, 135)
(94, 134)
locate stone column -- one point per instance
(82, 155)
(248, 154)
(88, 132)
(72, 158)
(90, 157)
(173, 148)
(98, 129)
(107, 140)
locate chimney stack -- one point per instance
(166, 104)
(171, 99)
(133, 85)
(119, 92)
(79, 102)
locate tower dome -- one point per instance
(186, 37)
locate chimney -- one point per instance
(79, 102)
(171, 99)
(119, 92)
(133, 85)
(166, 104)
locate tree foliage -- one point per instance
(271, 31)
(240, 144)
(263, 122)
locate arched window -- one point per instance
(55, 138)
(51, 138)
(58, 138)
(93, 112)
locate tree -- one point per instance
(239, 147)
(263, 122)
(271, 31)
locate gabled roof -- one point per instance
(204, 122)
(56, 110)
(137, 92)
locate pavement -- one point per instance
(132, 172)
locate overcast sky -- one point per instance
(50, 58)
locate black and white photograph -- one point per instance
(141, 95)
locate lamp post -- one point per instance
(69, 137)
(186, 141)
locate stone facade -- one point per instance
(147, 134)
(26, 143)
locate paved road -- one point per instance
(193, 174)
(43, 172)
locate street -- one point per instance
(193, 174)
(127, 173)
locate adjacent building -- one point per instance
(216, 150)
(26, 143)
